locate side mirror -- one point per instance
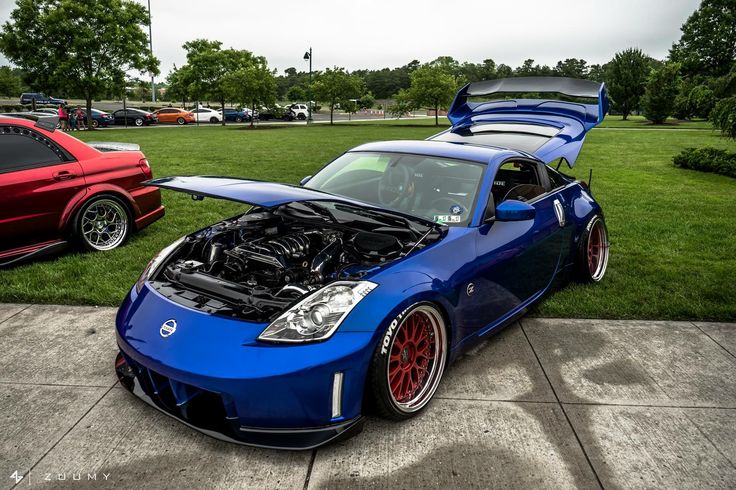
(513, 210)
(305, 180)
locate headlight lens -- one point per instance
(156, 262)
(318, 316)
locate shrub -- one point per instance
(707, 160)
(723, 116)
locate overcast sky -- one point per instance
(382, 33)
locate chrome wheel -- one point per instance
(417, 356)
(104, 224)
(139, 122)
(597, 250)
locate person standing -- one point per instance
(72, 120)
(80, 118)
(63, 118)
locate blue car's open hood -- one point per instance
(258, 193)
(573, 118)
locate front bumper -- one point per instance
(213, 375)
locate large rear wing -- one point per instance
(590, 114)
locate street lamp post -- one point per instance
(150, 45)
(308, 57)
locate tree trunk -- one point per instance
(436, 114)
(222, 104)
(625, 111)
(332, 110)
(252, 112)
(88, 111)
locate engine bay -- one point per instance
(254, 266)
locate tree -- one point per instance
(700, 101)
(661, 89)
(626, 79)
(253, 83)
(178, 81)
(432, 87)
(572, 68)
(723, 116)
(296, 94)
(403, 104)
(82, 48)
(708, 42)
(366, 101)
(336, 86)
(11, 84)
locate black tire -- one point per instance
(592, 254)
(301, 116)
(180, 121)
(399, 357)
(214, 120)
(138, 122)
(238, 119)
(89, 221)
(95, 123)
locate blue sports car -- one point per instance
(354, 291)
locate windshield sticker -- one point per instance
(445, 218)
(456, 209)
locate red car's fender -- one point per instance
(88, 193)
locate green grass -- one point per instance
(640, 122)
(673, 254)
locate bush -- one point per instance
(707, 160)
(700, 101)
(723, 116)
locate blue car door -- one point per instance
(516, 260)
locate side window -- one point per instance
(516, 180)
(23, 149)
(555, 179)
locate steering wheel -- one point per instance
(394, 185)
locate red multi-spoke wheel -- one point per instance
(593, 254)
(409, 363)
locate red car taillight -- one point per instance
(148, 116)
(144, 165)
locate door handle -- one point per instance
(64, 175)
(560, 213)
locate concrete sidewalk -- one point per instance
(546, 403)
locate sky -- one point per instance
(389, 33)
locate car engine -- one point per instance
(256, 265)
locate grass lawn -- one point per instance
(673, 253)
(640, 122)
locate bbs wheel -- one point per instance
(180, 121)
(592, 259)
(409, 362)
(103, 223)
(138, 121)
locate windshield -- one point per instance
(442, 190)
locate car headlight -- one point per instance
(318, 316)
(156, 262)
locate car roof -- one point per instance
(482, 154)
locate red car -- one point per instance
(56, 190)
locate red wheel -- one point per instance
(593, 251)
(409, 363)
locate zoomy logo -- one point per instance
(470, 289)
(167, 328)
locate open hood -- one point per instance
(263, 194)
(573, 118)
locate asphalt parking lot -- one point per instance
(546, 403)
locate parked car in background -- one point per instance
(40, 98)
(297, 111)
(48, 111)
(236, 115)
(56, 190)
(134, 117)
(100, 119)
(174, 115)
(205, 114)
